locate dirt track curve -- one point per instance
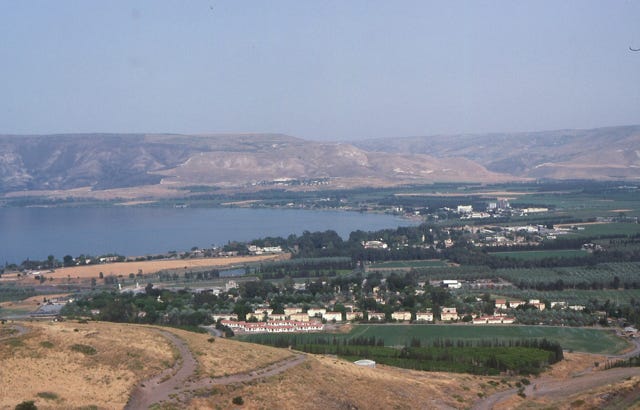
(552, 388)
(178, 384)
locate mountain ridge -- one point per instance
(103, 161)
(599, 153)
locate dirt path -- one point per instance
(271, 370)
(177, 384)
(553, 388)
(19, 331)
(160, 387)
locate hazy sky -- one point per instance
(317, 69)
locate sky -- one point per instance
(321, 70)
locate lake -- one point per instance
(35, 233)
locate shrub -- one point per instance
(47, 344)
(26, 405)
(47, 395)
(211, 339)
(88, 350)
(238, 400)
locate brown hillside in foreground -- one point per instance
(71, 365)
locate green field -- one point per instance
(579, 339)
(535, 255)
(410, 264)
(570, 338)
(626, 229)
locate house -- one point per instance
(401, 316)
(300, 317)
(277, 316)
(353, 316)
(560, 305)
(224, 316)
(493, 320)
(508, 304)
(376, 316)
(464, 209)
(501, 304)
(283, 326)
(330, 316)
(449, 314)
(316, 312)
(263, 311)
(424, 316)
(537, 304)
(451, 284)
(291, 310)
(374, 245)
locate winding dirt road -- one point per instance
(178, 384)
(553, 388)
(19, 331)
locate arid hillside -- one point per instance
(96, 162)
(601, 153)
(93, 365)
(104, 166)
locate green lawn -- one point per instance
(534, 255)
(571, 338)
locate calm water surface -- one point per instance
(36, 233)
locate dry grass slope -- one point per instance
(328, 383)
(72, 365)
(44, 366)
(224, 357)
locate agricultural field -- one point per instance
(535, 255)
(575, 296)
(589, 340)
(76, 273)
(606, 229)
(409, 264)
(585, 204)
(582, 277)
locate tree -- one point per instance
(51, 261)
(67, 260)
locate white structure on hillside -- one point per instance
(365, 363)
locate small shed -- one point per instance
(366, 363)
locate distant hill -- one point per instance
(98, 162)
(601, 153)
(105, 161)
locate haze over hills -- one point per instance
(601, 153)
(111, 161)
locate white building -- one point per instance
(424, 316)
(401, 316)
(330, 316)
(451, 284)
